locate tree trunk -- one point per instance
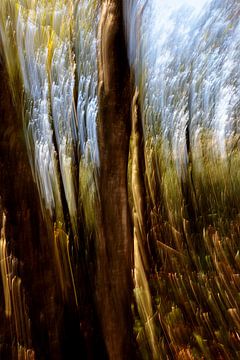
(114, 238)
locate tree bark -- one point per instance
(114, 237)
(29, 241)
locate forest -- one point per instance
(119, 179)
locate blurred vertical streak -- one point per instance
(114, 238)
(141, 246)
(27, 241)
(39, 159)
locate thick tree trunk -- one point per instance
(115, 244)
(52, 330)
(24, 231)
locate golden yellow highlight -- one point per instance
(63, 260)
(15, 305)
(5, 269)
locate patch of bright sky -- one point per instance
(196, 5)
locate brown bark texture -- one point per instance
(114, 238)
